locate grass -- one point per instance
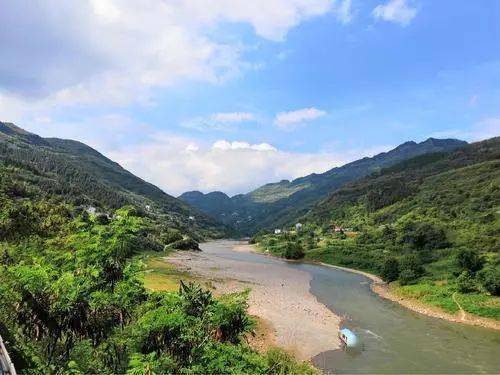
(480, 304)
(430, 293)
(163, 276)
(440, 295)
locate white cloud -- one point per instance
(287, 120)
(177, 164)
(397, 11)
(344, 11)
(169, 162)
(486, 128)
(218, 121)
(238, 145)
(115, 51)
(233, 116)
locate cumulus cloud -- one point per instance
(287, 120)
(238, 145)
(176, 165)
(397, 11)
(101, 51)
(344, 11)
(233, 116)
(218, 121)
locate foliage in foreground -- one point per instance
(73, 299)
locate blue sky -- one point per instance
(227, 95)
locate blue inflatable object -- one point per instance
(348, 338)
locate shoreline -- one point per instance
(383, 290)
(280, 297)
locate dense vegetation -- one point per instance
(277, 204)
(83, 177)
(73, 298)
(431, 224)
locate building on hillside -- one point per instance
(338, 229)
(277, 231)
(298, 226)
(91, 210)
(148, 207)
(191, 218)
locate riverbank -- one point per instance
(279, 296)
(388, 292)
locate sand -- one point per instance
(279, 296)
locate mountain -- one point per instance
(430, 223)
(277, 204)
(83, 176)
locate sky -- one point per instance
(232, 94)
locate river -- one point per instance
(394, 339)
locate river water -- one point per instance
(394, 339)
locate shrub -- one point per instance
(490, 279)
(292, 250)
(469, 260)
(466, 283)
(102, 219)
(280, 362)
(423, 236)
(185, 244)
(410, 269)
(170, 235)
(390, 269)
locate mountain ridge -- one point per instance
(277, 204)
(75, 170)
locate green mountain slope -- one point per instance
(277, 204)
(430, 223)
(83, 176)
(73, 290)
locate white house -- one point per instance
(298, 226)
(91, 210)
(191, 218)
(277, 231)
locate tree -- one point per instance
(390, 269)
(410, 269)
(292, 250)
(423, 236)
(469, 260)
(490, 279)
(466, 283)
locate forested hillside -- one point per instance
(73, 299)
(82, 176)
(431, 224)
(277, 204)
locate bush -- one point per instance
(423, 236)
(490, 279)
(170, 235)
(185, 244)
(410, 269)
(292, 250)
(466, 283)
(102, 219)
(281, 363)
(390, 269)
(469, 260)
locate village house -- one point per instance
(277, 231)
